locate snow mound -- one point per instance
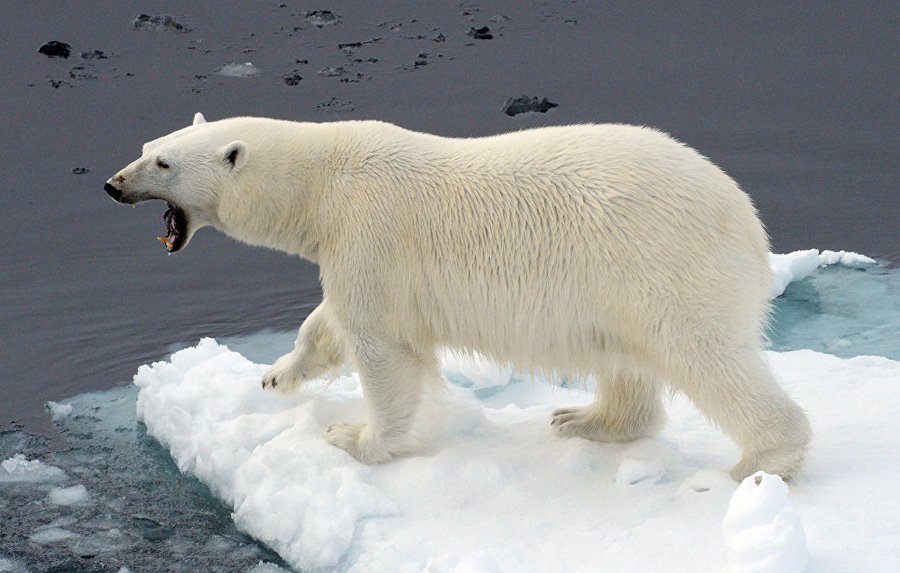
(797, 265)
(497, 491)
(763, 533)
(20, 469)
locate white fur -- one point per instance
(604, 250)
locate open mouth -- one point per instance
(176, 228)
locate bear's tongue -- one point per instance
(174, 218)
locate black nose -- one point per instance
(113, 192)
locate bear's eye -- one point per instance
(162, 164)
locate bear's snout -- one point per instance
(113, 192)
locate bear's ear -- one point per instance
(234, 154)
(198, 118)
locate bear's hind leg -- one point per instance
(319, 349)
(742, 397)
(627, 407)
(394, 380)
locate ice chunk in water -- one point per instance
(20, 469)
(46, 536)
(9, 565)
(236, 70)
(792, 267)
(58, 411)
(75, 495)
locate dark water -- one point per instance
(141, 512)
(797, 102)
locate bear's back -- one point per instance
(583, 229)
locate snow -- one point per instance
(58, 411)
(75, 495)
(20, 469)
(637, 472)
(497, 491)
(794, 266)
(763, 533)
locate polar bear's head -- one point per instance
(187, 170)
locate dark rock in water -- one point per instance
(292, 79)
(525, 104)
(483, 33)
(439, 38)
(321, 18)
(54, 49)
(80, 170)
(356, 78)
(351, 45)
(79, 72)
(332, 72)
(93, 55)
(334, 105)
(166, 22)
(59, 83)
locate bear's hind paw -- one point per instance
(356, 440)
(578, 422)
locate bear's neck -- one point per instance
(278, 209)
(300, 197)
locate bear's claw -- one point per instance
(282, 376)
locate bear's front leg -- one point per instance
(319, 348)
(394, 379)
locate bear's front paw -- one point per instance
(356, 440)
(282, 377)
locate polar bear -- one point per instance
(609, 251)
